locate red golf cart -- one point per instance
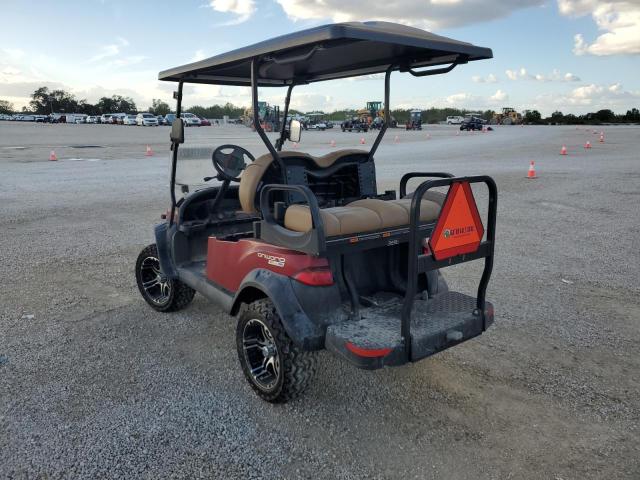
(304, 250)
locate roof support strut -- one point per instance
(387, 113)
(174, 156)
(283, 128)
(256, 117)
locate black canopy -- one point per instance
(328, 52)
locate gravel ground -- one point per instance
(94, 384)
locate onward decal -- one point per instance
(272, 260)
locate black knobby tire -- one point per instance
(296, 367)
(172, 295)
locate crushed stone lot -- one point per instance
(95, 384)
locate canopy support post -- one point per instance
(283, 128)
(387, 113)
(256, 118)
(174, 156)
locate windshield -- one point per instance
(194, 164)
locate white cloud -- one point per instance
(588, 98)
(10, 71)
(199, 55)
(491, 78)
(110, 50)
(499, 96)
(460, 99)
(15, 53)
(554, 76)
(618, 19)
(432, 14)
(243, 9)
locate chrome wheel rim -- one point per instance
(261, 354)
(154, 283)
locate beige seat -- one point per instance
(337, 220)
(358, 217)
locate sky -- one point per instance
(575, 56)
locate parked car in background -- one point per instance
(105, 118)
(190, 120)
(354, 123)
(147, 120)
(455, 120)
(91, 119)
(28, 118)
(169, 118)
(472, 123)
(130, 120)
(204, 122)
(160, 119)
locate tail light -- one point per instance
(426, 250)
(315, 277)
(368, 352)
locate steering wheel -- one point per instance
(229, 161)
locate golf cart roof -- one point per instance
(328, 52)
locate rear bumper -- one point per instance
(375, 341)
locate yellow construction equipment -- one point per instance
(509, 116)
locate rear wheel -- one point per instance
(162, 293)
(273, 365)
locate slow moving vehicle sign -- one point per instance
(459, 229)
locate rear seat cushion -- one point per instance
(360, 216)
(337, 220)
(391, 215)
(429, 209)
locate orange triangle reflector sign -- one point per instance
(459, 229)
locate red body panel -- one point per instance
(229, 262)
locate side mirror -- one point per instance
(177, 131)
(295, 131)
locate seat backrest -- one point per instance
(304, 170)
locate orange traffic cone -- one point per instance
(601, 137)
(563, 150)
(362, 141)
(149, 151)
(587, 145)
(332, 143)
(52, 156)
(531, 174)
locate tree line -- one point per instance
(45, 101)
(601, 116)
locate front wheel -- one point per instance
(276, 369)
(162, 293)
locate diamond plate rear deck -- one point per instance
(432, 320)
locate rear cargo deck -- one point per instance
(436, 324)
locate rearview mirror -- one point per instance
(177, 131)
(295, 130)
